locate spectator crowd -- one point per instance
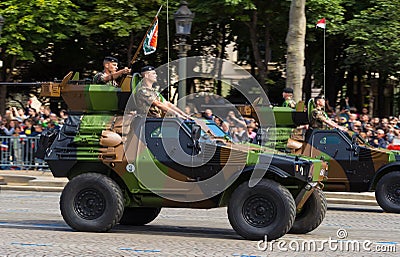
(378, 132)
(30, 122)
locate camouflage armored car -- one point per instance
(123, 168)
(354, 166)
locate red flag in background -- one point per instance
(321, 23)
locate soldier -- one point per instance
(148, 98)
(319, 118)
(110, 73)
(287, 94)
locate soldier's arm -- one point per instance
(168, 107)
(333, 124)
(181, 113)
(115, 75)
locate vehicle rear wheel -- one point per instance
(387, 192)
(311, 215)
(92, 202)
(267, 209)
(138, 216)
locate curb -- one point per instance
(32, 188)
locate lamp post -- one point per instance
(1, 23)
(1, 28)
(183, 22)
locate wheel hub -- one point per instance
(259, 211)
(393, 192)
(89, 204)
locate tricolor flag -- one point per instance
(150, 43)
(321, 23)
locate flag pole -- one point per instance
(168, 79)
(324, 63)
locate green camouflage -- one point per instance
(354, 166)
(145, 159)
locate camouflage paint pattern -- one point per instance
(94, 142)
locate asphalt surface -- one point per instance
(43, 181)
(31, 225)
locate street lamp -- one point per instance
(1, 23)
(183, 22)
(1, 28)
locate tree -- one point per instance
(374, 34)
(295, 47)
(30, 27)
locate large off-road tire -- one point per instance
(92, 202)
(267, 209)
(138, 216)
(387, 192)
(311, 215)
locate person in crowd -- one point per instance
(233, 120)
(225, 128)
(240, 135)
(110, 72)
(251, 133)
(208, 114)
(379, 141)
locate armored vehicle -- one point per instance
(354, 166)
(123, 168)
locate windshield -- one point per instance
(209, 127)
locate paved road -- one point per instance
(31, 225)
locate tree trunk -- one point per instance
(261, 66)
(308, 77)
(296, 44)
(7, 75)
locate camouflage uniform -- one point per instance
(317, 117)
(289, 102)
(99, 79)
(144, 98)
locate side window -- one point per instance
(330, 140)
(167, 131)
(333, 145)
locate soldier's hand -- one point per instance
(126, 70)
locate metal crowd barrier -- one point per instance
(18, 152)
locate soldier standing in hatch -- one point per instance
(109, 74)
(319, 118)
(149, 101)
(287, 94)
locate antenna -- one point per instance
(168, 78)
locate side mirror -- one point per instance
(196, 132)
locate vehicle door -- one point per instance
(342, 157)
(167, 158)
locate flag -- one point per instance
(321, 23)
(150, 43)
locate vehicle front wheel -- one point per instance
(267, 209)
(311, 215)
(387, 192)
(92, 202)
(138, 216)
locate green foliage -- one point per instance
(119, 18)
(32, 25)
(374, 34)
